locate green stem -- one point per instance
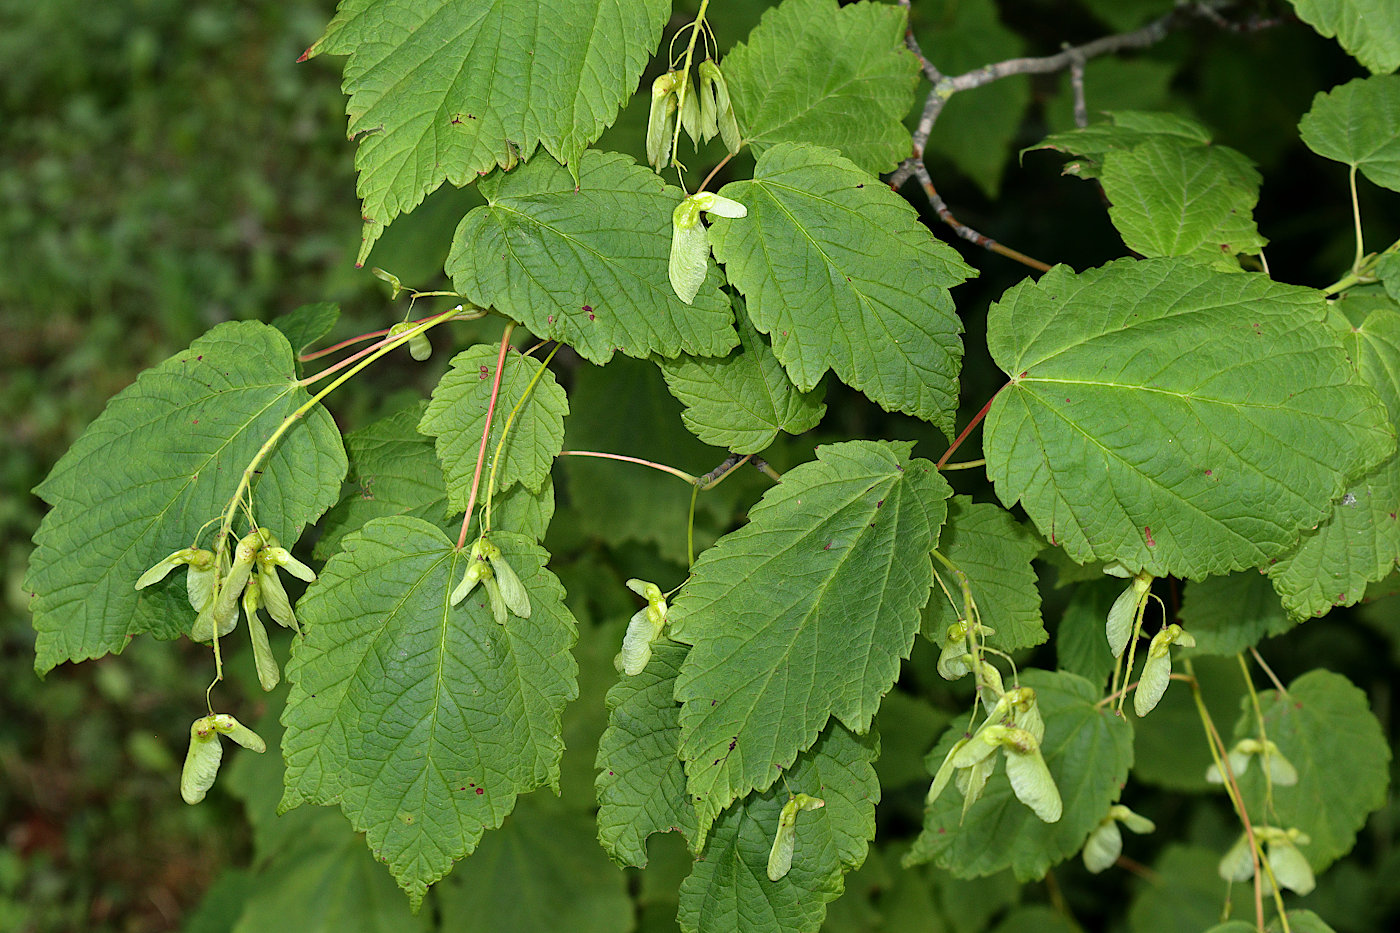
(1221, 757)
(1356, 218)
(368, 356)
(505, 432)
(685, 77)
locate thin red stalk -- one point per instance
(714, 171)
(485, 435)
(976, 420)
(308, 357)
(625, 459)
(349, 360)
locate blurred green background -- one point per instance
(167, 165)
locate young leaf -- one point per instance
(1141, 470)
(729, 890)
(1368, 29)
(995, 551)
(740, 402)
(1325, 727)
(586, 262)
(1170, 197)
(840, 273)
(307, 324)
(813, 72)
(641, 782)
(1087, 751)
(443, 90)
(1125, 130)
(457, 413)
(803, 614)
(1358, 124)
(404, 704)
(162, 459)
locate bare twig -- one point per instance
(935, 201)
(1072, 58)
(1076, 83)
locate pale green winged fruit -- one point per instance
(659, 119)
(225, 724)
(419, 346)
(644, 629)
(478, 569)
(1124, 611)
(690, 240)
(269, 673)
(1280, 769)
(220, 614)
(714, 88)
(690, 111)
(272, 595)
(486, 565)
(1287, 865)
(785, 842)
(709, 105)
(1105, 843)
(1157, 670)
(199, 575)
(205, 752)
(1013, 726)
(201, 761)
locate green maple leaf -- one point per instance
(814, 72)
(1358, 123)
(840, 273)
(162, 459)
(395, 471)
(542, 872)
(447, 90)
(740, 402)
(457, 414)
(994, 551)
(729, 891)
(1359, 542)
(803, 614)
(1088, 750)
(1230, 613)
(641, 781)
(1177, 419)
(1325, 727)
(1368, 29)
(1174, 198)
(584, 261)
(424, 720)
